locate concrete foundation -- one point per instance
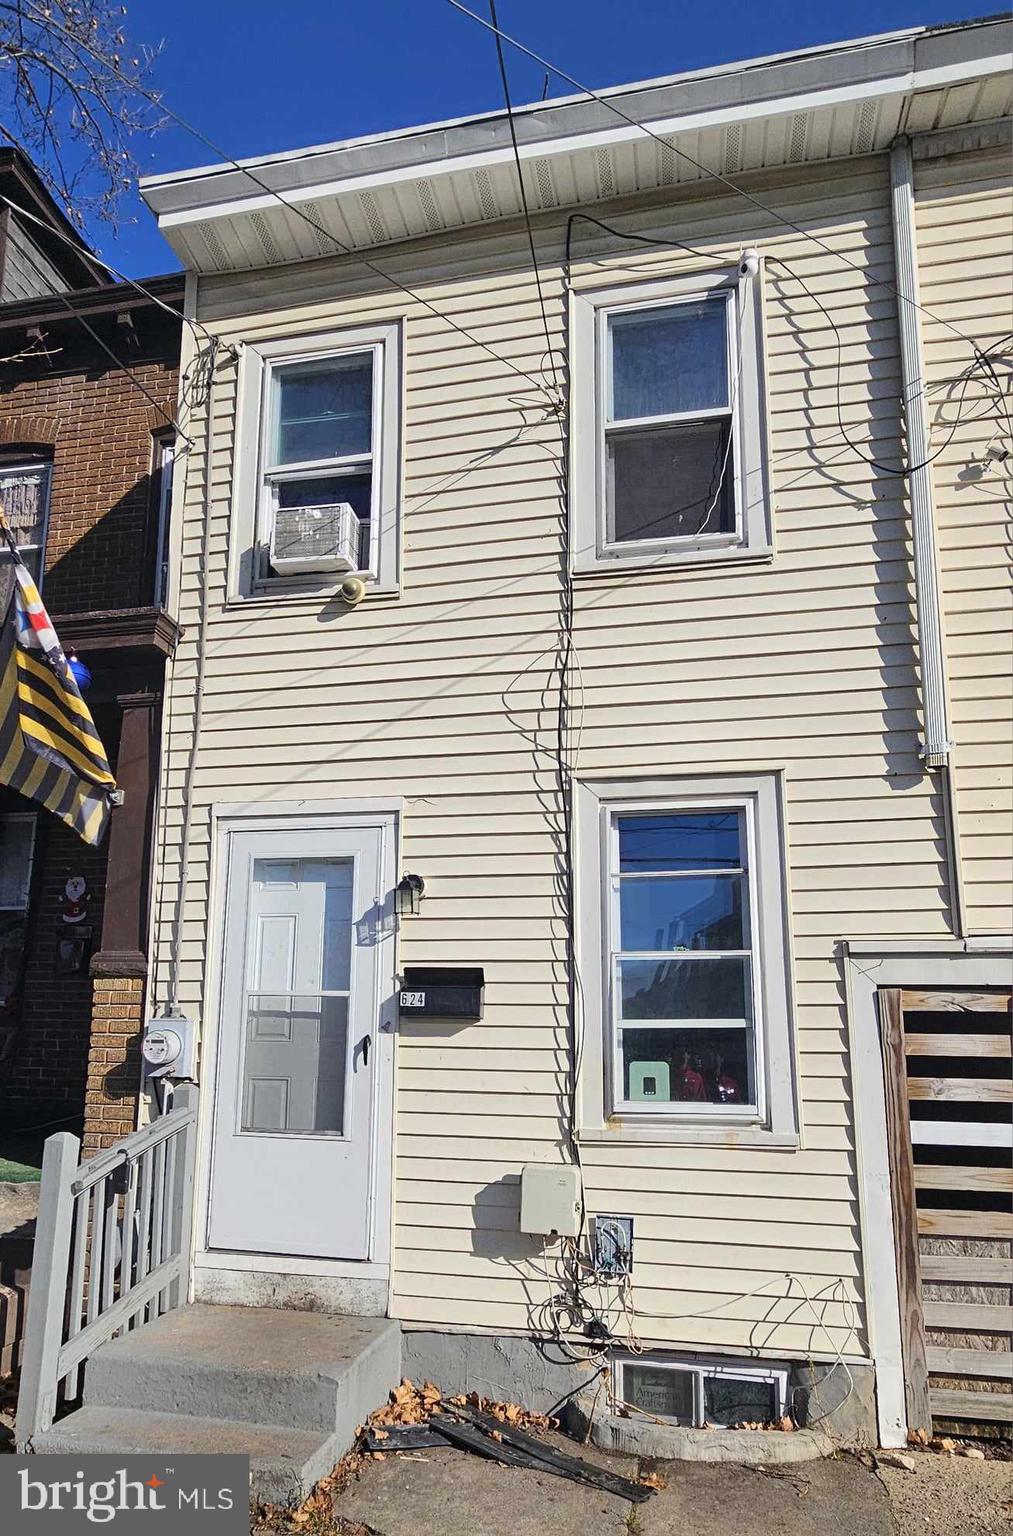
(836, 1405)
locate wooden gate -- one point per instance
(947, 1061)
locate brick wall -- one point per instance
(99, 428)
(114, 1060)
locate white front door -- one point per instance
(292, 1155)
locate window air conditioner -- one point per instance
(307, 539)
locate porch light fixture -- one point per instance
(408, 894)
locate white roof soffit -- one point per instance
(816, 105)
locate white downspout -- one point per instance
(937, 747)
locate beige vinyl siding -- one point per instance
(445, 695)
(964, 208)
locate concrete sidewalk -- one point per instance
(451, 1493)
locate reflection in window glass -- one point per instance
(668, 359)
(323, 410)
(664, 1392)
(731, 1400)
(294, 1064)
(679, 840)
(682, 913)
(682, 950)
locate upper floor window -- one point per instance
(321, 422)
(685, 889)
(668, 434)
(24, 496)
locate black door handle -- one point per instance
(364, 1042)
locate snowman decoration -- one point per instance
(75, 899)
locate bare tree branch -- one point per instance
(74, 96)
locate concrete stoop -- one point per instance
(286, 1388)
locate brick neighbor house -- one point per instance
(85, 470)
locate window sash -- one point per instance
(273, 475)
(615, 1024)
(699, 1370)
(607, 427)
(33, 553)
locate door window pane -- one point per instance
(708, 988)
(687, 912)
(667, 1393)
(673, 840)
(294, 1064)
(324, 409)
(669, 482)
(668, 360)
(688, 1066)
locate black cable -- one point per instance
(885, 469)
(622, 234)
(524, 196)
(672, 147)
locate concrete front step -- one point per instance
(286, 1388)
(305, 1370)
(284, 1463)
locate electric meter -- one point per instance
(168, 1047)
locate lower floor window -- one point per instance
(695, 1393)
(684, 916)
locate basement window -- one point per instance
(668, 434)
(318, 474)
(695, 1393)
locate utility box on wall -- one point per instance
(442, 992)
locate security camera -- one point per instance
(749, 262)
(352, 590)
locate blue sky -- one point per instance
(257, 76)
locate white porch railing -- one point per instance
(112, 1251)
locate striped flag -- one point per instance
(49, 748)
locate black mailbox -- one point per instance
(441, 992)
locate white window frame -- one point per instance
(591, 549)
(163, 458)
(27, 467)
(602, 1115)
(775, 1375)
(256, 478)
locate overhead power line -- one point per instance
(155, 97)
(501, 61)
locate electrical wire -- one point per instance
(501, 61)
(199, 330)
(103, 345)
(156, 99)
(705, 170)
